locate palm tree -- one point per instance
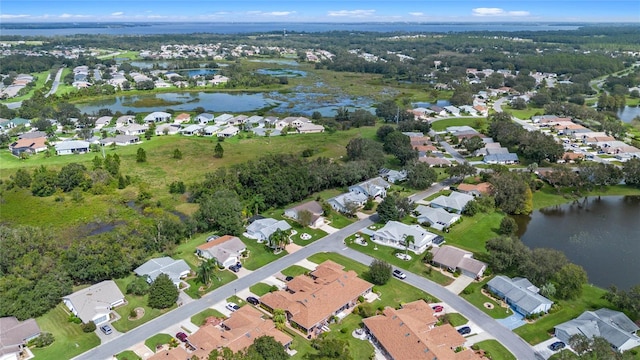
(408, 240)
(204, 272)
(279, 239)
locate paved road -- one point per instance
(453, 152)
(56, 83)
(330, 243)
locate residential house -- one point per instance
(95, 302)
(262, 229)
(125, 120)
(133, 129)
(204, 118)
(238, 120)
(15, 122)
(437, 218)
(72, 147)
(223, 119)
(455, 259)
(503, 159)
(261, 131)
(437, 110)
(347, 203)
(612, 325)
(33, 134)
(236, 333)
(311, 301)
(434, 161)
(454, 202)
(468, 109)
(476, 190)
(191, 130)
(309, 128)
(175, 269)
(226, 250)
(394, 234)
(210, 130)
(167, 129)
(409, 333)
(373, 188)
(255, 120)
(228, 132)
(102, 122)
(520, 294)
(311, 206)
(219, 79)
(393, 176)
(14, 336)
(452, 110)
(28, 145)
(124, 140)
(157, 116)
(182, 118)
(176, 353)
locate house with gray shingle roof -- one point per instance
(157, 116)
(346, 203)
(95, 302)
(437, 218)
(612, 325)
(204, 118)
(262, 229)
(394, 234)
(14, 336)
(455, 202)
(72, 147)
(175, 269)
(373, 188)
(455, 259)
(520, 294)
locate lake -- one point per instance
(628, 113)
(601, 234)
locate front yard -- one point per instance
(495, 350)
(157, 340)
(260, 288)
(218, 278)
(199, 318)
(134, 302)
(474, 295)
(70, 340)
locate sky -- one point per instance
(319, 11)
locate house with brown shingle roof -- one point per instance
(30, 146)
(313, 207)
(455, 259)
(310, 301)
(483, 188)
(226, 250)
(410, 333)
(237, 333)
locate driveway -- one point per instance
(512, 322)
(543, 347)
(459, 284)
(106, 338)
(328, 228)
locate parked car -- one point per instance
(464, 330)
(232, 306)
(399, 274)
(181, 336)
(556, 346)
(106, 329)
(437, 308)
(235, 268)
(288, 278)
(253, 301)
(212, 237)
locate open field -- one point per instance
(442, 125)
(70, 340)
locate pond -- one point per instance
(277, 61)
(198, 72)
(282, 72)
(628, 113)
(440, 103)
(601, 234)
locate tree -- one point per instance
(72, 176)
(112, 164)
(506, 253)
(44, 182)
(22, 178)
(461, 170)
(512, 193)
(399, 145)
(579, 343)
(420, 176)
(267, 348)
(631, 171)
(379, 271)
(408, 241)
(139, 286)
(472, 144)
(279, 318)
(508, 226)
(569, 281)
(387, 209)
(220, 211)
(204, 271)
(218, 152)
(548, 290)
(141, 155)
(331, 349)
(383, 131)
(88, 327)
(519, 103)
(163, 293)
(177, 154)
(278, 239)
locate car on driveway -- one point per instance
(288, 278)
(235, 268)
(465, 330)
(556, 346)
(399, 274)
(106, 329)
(181, 336)
(232, 306)
(253, 301)
(437, 308)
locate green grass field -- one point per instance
(294, 270)
(128, 355)
(157, 340)
(70, 340)
(495, 350)
(442, 125)
(260, 288)
(478, 299)
(473, 232)
(455, 319)
(525, 114)
(39, 84)
(199, 318)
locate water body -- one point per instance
(200, 72)
(282, 72)
(236, 28)
(628, 113)
(440, 103)
(277, 61)
(188, 101)
(601, 234)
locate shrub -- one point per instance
(74, 319)
(475, 347)
(45, 339)
(138, 286)
(361, 299)
(344, 330)
(133, 313)
(468, 290)
(273, 288)
(88, 327)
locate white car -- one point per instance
(232, 306)
(399, 274)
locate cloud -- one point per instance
(351, 13)
(497, 12)
(69, 16)
(156, 17)
(416, 14)
(13, 16)
(118, 13)
(279, 13)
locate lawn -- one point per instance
(70, 340)
(442, 125)
(259, 254)
(455, 319)
(300, 344)
(128, 355)
(294, 270)
(387, 254)
(473, 232)
(260, 288)
(523, 114)
(133, 302)
(496, 350)
(339, 221)
(219, 278)
(199, 318)
(40, 78)
(157, 340)
(316, 234)
(360, 349)
(473, 295)
(562, 311)
(392, 294)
